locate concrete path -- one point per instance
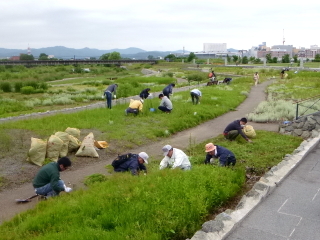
(292, 211)
(209, 129)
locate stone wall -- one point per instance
(305, 127)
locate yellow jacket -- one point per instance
(136, 104)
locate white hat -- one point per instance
(166, 149)
(144, 156)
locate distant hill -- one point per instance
(67, 53)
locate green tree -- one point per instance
(110, 56)
(285, 58)
(317, 58)
(274, 60)
(295, 58)
(191, 57)
(257, 60)
(43, 56)
(105, 56)
(171, 57)
(114, 56)
(228, 58)
(150, 57)
(268, 58)
(235, 58)
(245, 60)
(26, 57)
(252, 59)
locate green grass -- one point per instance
(167, 204)
(133, 131)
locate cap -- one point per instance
(144, 156)
(141, 100)
(166, 149)
(210, 147)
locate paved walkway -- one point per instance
(209, 129)
(292, 211)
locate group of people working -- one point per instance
(47, 181)
(136, 106)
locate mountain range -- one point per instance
(61, 52)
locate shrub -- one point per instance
(5, 86)
(18, 86)
(27, 90)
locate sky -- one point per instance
(164, 25)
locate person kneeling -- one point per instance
(135, 106)
(226, 157)
(131, 162)
(47, 181)
(165, 104)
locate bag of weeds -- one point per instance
(121, 159)
(249, 131)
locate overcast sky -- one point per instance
(163, 25)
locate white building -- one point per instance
(215, 47)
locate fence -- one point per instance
(307, 106)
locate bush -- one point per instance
(5, 86)
(18, 86)
(27, 90)
(195, 77)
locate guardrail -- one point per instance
(307, 106)
(72, 62)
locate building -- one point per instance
(214, 47)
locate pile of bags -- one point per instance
(62, 143)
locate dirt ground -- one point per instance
(17, 172)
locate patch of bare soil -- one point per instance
(15, 170)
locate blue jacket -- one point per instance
(132, 164)
(168, 89)
(225, 156)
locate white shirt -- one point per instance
(196, 91)
(178, 159)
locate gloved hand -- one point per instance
(114, 96)
(67, 189)
(102, 96)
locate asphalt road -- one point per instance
(291, 211)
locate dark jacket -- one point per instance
(144, 93)
(49, 173)
(235, 125)
(132, 164)
(226, 157)
(111, 88)
(168, 89)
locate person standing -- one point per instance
(111, 89)
(145, 93)
(168, 90)
(174, 158)
(165, 104)
(134, 164)
(135, 106)
(195, 96)
(234, 129)
(47, 181)
(256, 78)
(225, 156)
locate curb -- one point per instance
(225, 222)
